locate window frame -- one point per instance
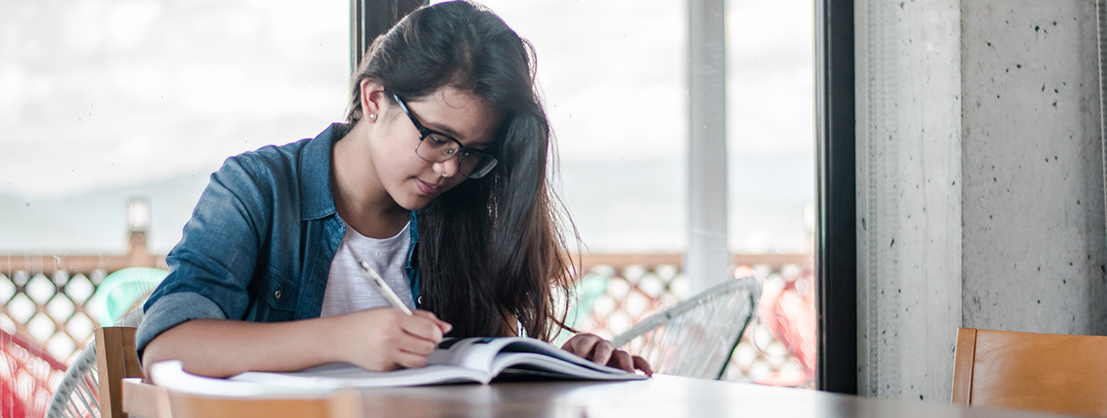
(836, 199)
(371, 18)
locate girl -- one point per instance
(437, 180)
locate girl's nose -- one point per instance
(447, 168)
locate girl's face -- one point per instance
(410, 180)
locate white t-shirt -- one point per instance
(348, 290)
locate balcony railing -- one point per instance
(45, 296)
(776, 348)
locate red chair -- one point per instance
(789, 313)
(26, 374)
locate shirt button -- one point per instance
(277, 294)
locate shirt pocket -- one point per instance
(278, 299)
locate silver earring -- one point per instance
(372, 116)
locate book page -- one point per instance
(170, 375)
(470, 353)
(493, 355)
(554, 367)
(345, 375)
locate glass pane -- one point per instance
(104, 101)
(771, 141)
(614, 80)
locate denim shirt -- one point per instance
(260, 242)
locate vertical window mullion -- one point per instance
(836, 231)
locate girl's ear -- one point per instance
(373, 98)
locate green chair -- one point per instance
(121, 292)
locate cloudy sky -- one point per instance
(109, 93)
(103, 92)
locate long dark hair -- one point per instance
(489, 249)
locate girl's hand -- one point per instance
(387, 339)
(601, 351)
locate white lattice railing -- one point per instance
(44, 297)
(777, 347)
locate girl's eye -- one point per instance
(438, 141)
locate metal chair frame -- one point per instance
(716, 300)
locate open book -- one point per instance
(460, 360)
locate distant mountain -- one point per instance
(640, 205)
(617, 206)
(95, 221)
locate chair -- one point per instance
(121, 378)
(1045, 372)
(146, 400)
(123, 291)
(26, 374)
(696, 337)
(78, 394)
(213, 399)
(788, 311)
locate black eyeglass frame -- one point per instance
(462, 152)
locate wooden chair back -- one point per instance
(1045, 372)
(343, 404)
(124, 393)
(115, 360)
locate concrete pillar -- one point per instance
(707, 259)
(909, 194)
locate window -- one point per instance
(614, 79)
(104, 101)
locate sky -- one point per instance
(109, 97)
(105, 92)
(613, 70)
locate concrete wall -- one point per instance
(980, 183)
(1032, 163)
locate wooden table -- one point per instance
(661, 396)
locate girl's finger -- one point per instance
(582, 344)
(409, 360)
(621, 360)
(424, 314)
(417, 346)
(643, 365)
(422, 327)
(602, 352)
(568, 346)
(444, 326)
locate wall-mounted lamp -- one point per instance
(138, 214)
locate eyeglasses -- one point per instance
(437, 147)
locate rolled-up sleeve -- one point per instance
(213, 265)
(173, 310)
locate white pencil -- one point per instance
(382, 287)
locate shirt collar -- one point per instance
(317, 200)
